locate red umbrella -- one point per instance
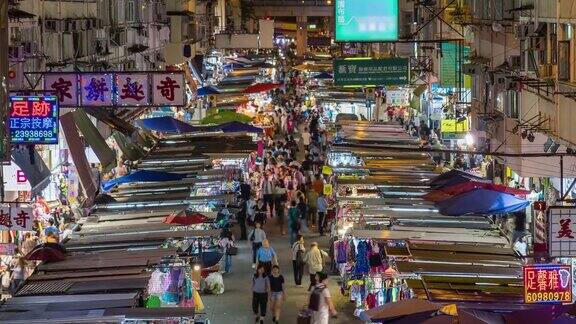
(261, 87)
(184, 218)
(46, 254)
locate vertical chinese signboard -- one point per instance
(117, 89)
(33, 119)
(562, 231)
(15, 218)
(547, 284)
(371, 72)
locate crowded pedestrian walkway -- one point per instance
(285, 213)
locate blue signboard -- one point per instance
(33, 119)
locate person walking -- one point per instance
(226, 241)
(260, 293)
(302, 213)
(241, 219)
(298, 252)
(266, 256)
(322, 206)
(321, 301)
(293, 221)
(280, 198)
(278, 294)
(268, 191)
(312, 199)
(314, 259)
(18, 274)
(256, 237)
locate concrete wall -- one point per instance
(546, 10)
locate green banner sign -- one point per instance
(366, 20)
(371, 72)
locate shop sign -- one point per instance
(453, 126)
(14, 178)
(168, 89)
(327, 170)
(7, 248)
(562, 231)
(117, 89)
(548, 283)
(33, 119)
(132, 89)
(398, 98)
(373, 21)
(64, 86)
(371, 72)
(16, 218)
(96, 89)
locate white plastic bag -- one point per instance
(214, 283)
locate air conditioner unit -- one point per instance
(500, 79)
(515, 61)
(60, 26)
(545, 71)
(470, 69)
(15, 53)
(511, 84)
(524, 31)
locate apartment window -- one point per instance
(564, 60)
(130, 11)
(512, 104)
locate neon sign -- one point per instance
(33, 119)
(547, 283)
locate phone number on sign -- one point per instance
(33, 133)
(548, 297)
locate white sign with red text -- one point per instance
(16, 218)
(562, 231)
(14, 178)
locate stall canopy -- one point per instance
(261, 87)
(237, 127)
(454, 190)
(143, 176)
(454, 177)
(166, 125)
(206, 91)
(481, 202)
(323, 75)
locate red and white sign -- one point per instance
(132, 90)
(168, 89)
(548, 284)
(562, 231)
(14, 178)
(16, 218)
(64, 86)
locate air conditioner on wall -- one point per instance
(470, 69)
(499, 78)
(511, 84)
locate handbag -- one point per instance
(232, 250)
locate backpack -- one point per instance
(299, 256)
(315, 298)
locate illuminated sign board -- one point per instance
(547, 283)
(117, 89)
(366, 20)
(33, 119)
(453, 126)
(371, 72)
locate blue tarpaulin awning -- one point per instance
(481, 202)
(454, 177)
(166, 125)
(206, 91)
(143, 176)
